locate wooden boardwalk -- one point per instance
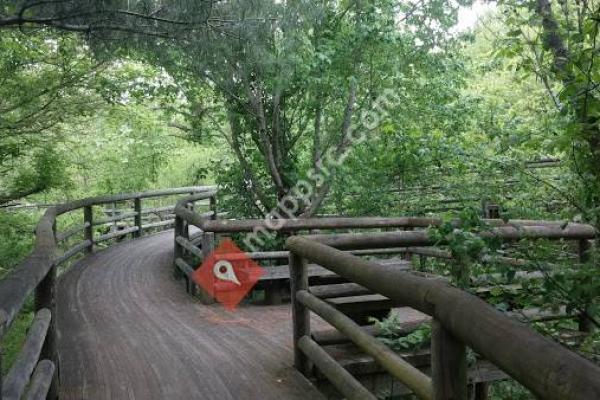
(127, 330)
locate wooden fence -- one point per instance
(34, 373)
(459, 320)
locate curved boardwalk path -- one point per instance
(127, 330)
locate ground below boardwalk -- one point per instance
(128, 330)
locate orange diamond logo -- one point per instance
(228, 274)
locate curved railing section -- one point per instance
(37, 275)
(460, 319)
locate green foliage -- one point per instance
(463, 239)
(509, 390)
(46, 82)
(388, 331)
(253, 105)
(16, 237)
(13, 341)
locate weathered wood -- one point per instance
(300, 315)
(45, 299)
(158, 224)
(184, 267)
(295, 225)
(370, 373)
(280, 255)
(282, 272)
(339, 290)
(62, 236)
(115, 218)
(116, 234)
(207, 246)
(20, 282)
(418, 382)
(157, 210)
(517, 349)
(213, 207)
(348, 386)
(88, 233)
(186, 244)
(73, 251)
(18, 376)
(258, 255)
(41, 381)
(177, 249)
(421, 238)
(137, 207)
(448, 364)
(364, 306)
(168, 346)
(274, 294)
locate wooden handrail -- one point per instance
(414, 379)
(37, 272)
(422, 238)
(184, 217)
(330, 223)
(541, 365)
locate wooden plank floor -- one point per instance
(127, 330)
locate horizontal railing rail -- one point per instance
(509, 232)
(36, 365)
(460, 319)
(332, 223)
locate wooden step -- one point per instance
(339, 290)
(282, 272)
(362, 303)
(361, 308)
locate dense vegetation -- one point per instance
(107, 97)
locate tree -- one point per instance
(112, 19)
(46, 80)
(557, 41)
(295, 81)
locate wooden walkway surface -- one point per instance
(127, 330)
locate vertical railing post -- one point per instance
(45, 295)
(407, 255)
(88, 219)
(482, 391)
(177, 249)
(585, 323)
(300, 314)
(114, 215)
(191, 203)
(137, 208)
(1, 358)
(448, 364)
(213, 206)
(207, 246)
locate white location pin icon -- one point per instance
(223, 270)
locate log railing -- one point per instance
(191, 247)
(34, 372)
(460, 319)
(190, 251)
